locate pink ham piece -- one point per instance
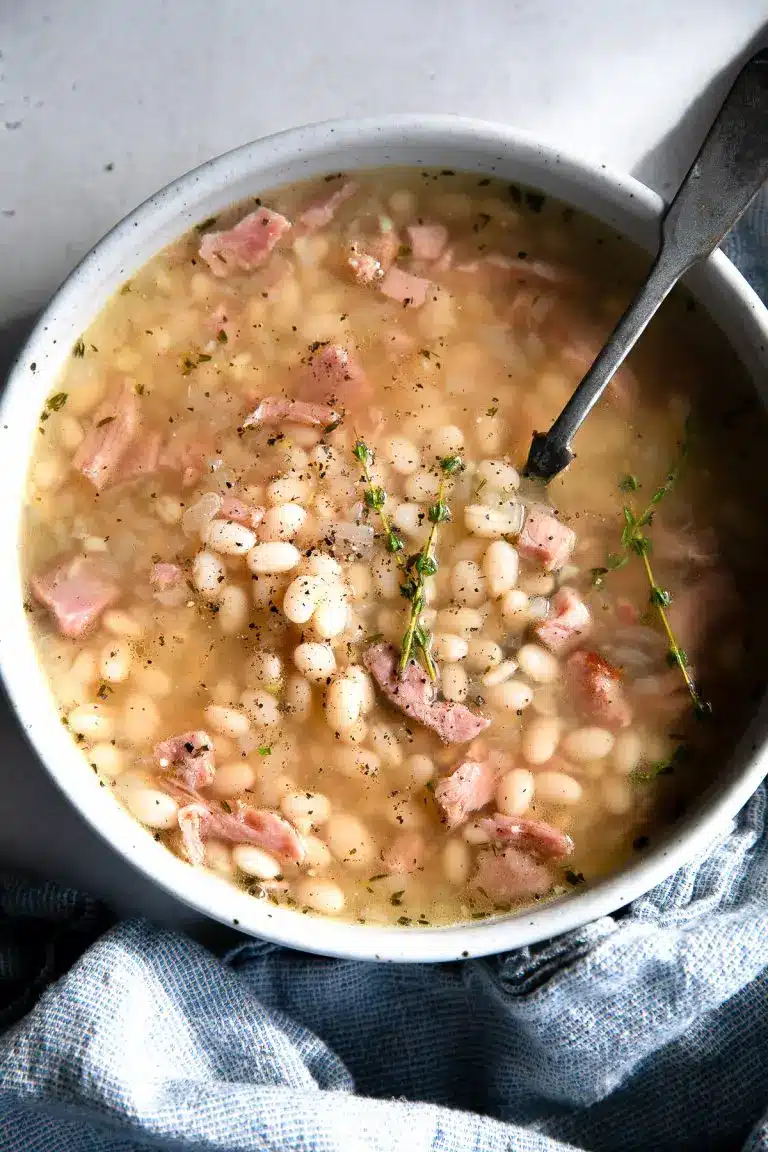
(275, 410)
(187, 453)
(510, 875)
(541, 840)
(233, 508)
(415, 695)
(544, 539)
(142, 458)
(76, 591)
(409, 290)
(427, 240)
(568, 624)
(335, 377)
(247, 245)
(320, 214)
(113, 428)
(164, 576)
(405, 854)
(537, 270)
(189, 756)
(247, 825)
(469, 788)
(596, 688)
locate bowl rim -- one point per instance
(27, 687)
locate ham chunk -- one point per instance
(568, 625)
(76, 592)
(275, 410)
(409, 290)
(247, 245)
(233, 508)
(189, 757)
(427, 240)
(541, 840)
(142, 458)
(510, 875)
(112, 432)
(597, 689)
(405, 854)
(469, 788)
(320, 214)
(247, 825)
(544, 539)
(164, 576)
(335, 377)
(415, 695)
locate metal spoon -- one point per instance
(728, 172)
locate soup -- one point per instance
(298, 606)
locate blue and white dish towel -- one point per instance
(644, 1031)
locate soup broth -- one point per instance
(299, 608)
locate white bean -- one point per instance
(255, 862)
(386, 576)
(265, 668)
(450, 647)
(462, 621)
(627, 751)
(269, 559)
(297, 697)
(315, 661)
(489, 433)
(321, 564)
(457, 861)
(502, 672)
(357, 734)
(208, 575)
(454, 682)
(218, 857)
(402, 454)
(557, 788)
(499, 474)
(448, 440)
(356, 762)
(514, 609)
(288, 490)
(491, 523)
(358, 673)
(538, 664)
(320, 895)
(536, 583)
(483, 655)
(474, 833)
(282, 522)
(501, 564)
(268, 590)
(233, 611)
(309, 808)
(316, 855)
(232, 778)
(418, 771)
(385, 743)
(140, 718)
(617, 795)
(107, 759)
(261, 708)
(331, 615)
(422, 487)
(411, 519)
(343, 704)
(468, 584)
(511, 696)
(302, 596)
(585, 744)
(540, 738)
(115, 662)
(514, 792)
(151, 807)
(121, 623)
(401, 810)
(169, 509)
(360, 581)
(227, 721)
(349, 840)
(229, 538)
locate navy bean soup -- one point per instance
(302, 613)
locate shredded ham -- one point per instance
(164, 576)
(545, 540)
(597, 689)
(427, 241)
(568, 624)
(113, 428)
(510, 875)
(320, 213)
(541, 840)
(409, 290)
(245, 246)
(335, 377)
(405, 854)
(246, 825)
(276, 410)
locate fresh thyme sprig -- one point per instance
(634, 540)
(424, 563)
(415, 568)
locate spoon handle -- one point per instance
(727, 173)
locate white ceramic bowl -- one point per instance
(434, 141)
